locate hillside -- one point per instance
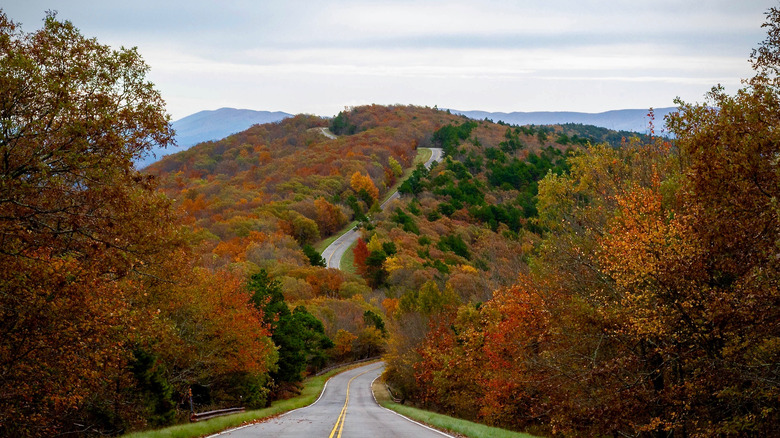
(287, 179)
(258, 199)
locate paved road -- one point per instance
(326, 132)
(346, 409)
(335, 251)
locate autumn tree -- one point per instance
(78, 225)
(361, 253)
(364, 187)
(106, 319)
(330, 218)
(652, 306)
(209, 336)
(395, 166)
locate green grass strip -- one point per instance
(348, 260)
(423, 154)
(443, 422)
(312, 387)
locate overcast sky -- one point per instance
(498, 55)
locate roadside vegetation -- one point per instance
(440, 421)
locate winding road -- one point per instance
(346, 409)
(335, 251)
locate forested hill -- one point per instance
(217, 124)
(263, 198)
(286, 179)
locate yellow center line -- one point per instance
(343, 414)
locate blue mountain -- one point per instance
(635, 120)
(211, 125)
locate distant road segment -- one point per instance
(335, 251)
(326, 132)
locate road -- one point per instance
(335, 251)
(346, 409)
(326, 132)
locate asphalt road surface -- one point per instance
(346, 409)
(335, 251)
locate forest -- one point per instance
(563, 280)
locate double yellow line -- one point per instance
(343, 415)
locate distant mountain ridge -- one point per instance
(212, 125)
(635, 120)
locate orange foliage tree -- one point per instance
(361, 253)
(330, 218)
(364, 186)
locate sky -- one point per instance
(319, 57)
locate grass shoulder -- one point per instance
(312, 387)
(348, 260)
(440, 421)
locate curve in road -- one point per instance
(335, 251)
(346, 409)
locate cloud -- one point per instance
(299, 56)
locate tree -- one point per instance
(219, 340)
(395, 166)
(299, 336)
(315, 258)
(364, 187)
(81, 232)
(370, 318)
(330, 218)
(361, 253)
(344, 341)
